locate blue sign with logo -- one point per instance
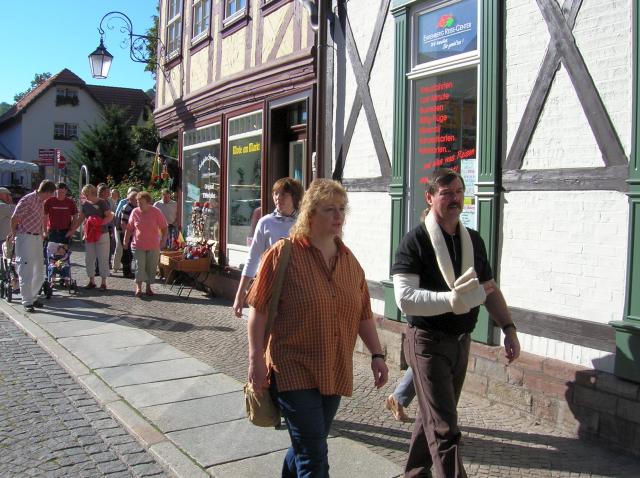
(448, 31)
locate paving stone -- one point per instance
(43, 430)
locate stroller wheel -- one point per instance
(2, 289)
(8, 293)
(73, 287)
(47, 290)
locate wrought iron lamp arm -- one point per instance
(137, 43)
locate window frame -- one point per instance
(66, 129)
(174, 22)
(207, 14)
(232, 23)
(417, 71)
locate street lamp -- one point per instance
(100, 59)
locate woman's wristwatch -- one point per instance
(509, 325)
(378, 356)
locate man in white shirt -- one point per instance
(169, 209)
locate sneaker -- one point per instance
(396, 409)
(29, 308)
(37, 303)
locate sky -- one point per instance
(39, 36)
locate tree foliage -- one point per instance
(4, 107)
(107, 148)
(38, 79)
(152, 45)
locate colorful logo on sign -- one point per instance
(446, 21)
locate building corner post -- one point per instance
(627, 331)
(397, 187)
(489, 144)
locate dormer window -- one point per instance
(66, 96)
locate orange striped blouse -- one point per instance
(319, 314)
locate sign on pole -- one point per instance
(46, 156)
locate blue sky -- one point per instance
(46, 36)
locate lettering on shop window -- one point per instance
(246, 149)
(440, 123)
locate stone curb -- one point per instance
(169, 456)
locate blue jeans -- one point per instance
(309, 416)
(405, 391)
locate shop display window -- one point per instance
(244, 179)
(444, 100)
(201, 185)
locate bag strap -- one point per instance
(285, 255)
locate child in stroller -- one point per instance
(59, 263)
(8, 276)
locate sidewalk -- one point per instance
(171, 371)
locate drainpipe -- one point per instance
(321, 94)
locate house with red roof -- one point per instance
(51, 116)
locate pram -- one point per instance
(8, 276)
(59, 265)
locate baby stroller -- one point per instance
(8, 276)
(59, 265)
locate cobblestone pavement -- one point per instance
(497, 441)
(49, 426)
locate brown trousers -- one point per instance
(439, 363)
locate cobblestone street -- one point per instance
(497, 441)
(49, 426)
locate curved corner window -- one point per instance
(201, 182)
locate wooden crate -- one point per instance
(202, 264)
(166, 256)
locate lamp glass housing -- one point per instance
(100, 62)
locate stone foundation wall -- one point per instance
(589, 403)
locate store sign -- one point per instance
(45, 156)
(444, 132)
(448, 31)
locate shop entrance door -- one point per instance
(287, 154)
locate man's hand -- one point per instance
(489, 287)
(380, 372)
(69, 234)
(511, 344)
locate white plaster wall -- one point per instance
(39, 119)
(565, 253)
(10, 137)
(362, 160)
(367, 232)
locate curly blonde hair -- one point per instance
(319, 190)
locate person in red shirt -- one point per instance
(61, 212)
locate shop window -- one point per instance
(444, 100)
(201, 184)
(200, 19)
(174, 28)
(244, 183)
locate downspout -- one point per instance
(319, 165)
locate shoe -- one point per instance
(90, 285)
(29, 308)
(37, 303)
(103, 287)
(150, 292)
(138, 293)
(396, 409)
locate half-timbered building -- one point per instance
(535, 102)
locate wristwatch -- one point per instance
(380, 356)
